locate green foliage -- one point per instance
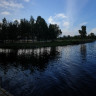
(28, 30)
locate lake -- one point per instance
(52, 71)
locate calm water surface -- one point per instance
(56, 71)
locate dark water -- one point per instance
(57, 71)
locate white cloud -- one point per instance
(26, 0)
(10, 4)
(60, 15)
(66, 24)
(84, 23)
(70, 31)
(5, 13)
(93, 30)
(17, 20)
(57, 19)
(52, 20)
(63, 22)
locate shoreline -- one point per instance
(44, 44)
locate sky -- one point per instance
(70, 15)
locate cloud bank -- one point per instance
(5, 13)
(10, 4)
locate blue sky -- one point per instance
(70, 15)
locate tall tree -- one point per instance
(4, 34)
(83, 31)
(32, 28)
(54, 31)
(0, 30)
(13, 30)
(24, 29)
(42, 28)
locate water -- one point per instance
(57, 71)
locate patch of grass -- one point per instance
(45, 44)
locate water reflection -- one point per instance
(56, 71)
(27, 58)
(83, 51)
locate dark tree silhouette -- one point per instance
(54, 31)
(32, 28)
(12, 31)
(91, 35)
(24, 29)
(28, 30)
(4, 33)
(83, 31)
(42, 28)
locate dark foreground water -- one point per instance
(57, 71)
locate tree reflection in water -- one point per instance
(27, 58)
(83, 51)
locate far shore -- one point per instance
(29, 45)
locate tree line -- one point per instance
(83, 35)
(26, 30)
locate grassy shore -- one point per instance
(45, 44)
